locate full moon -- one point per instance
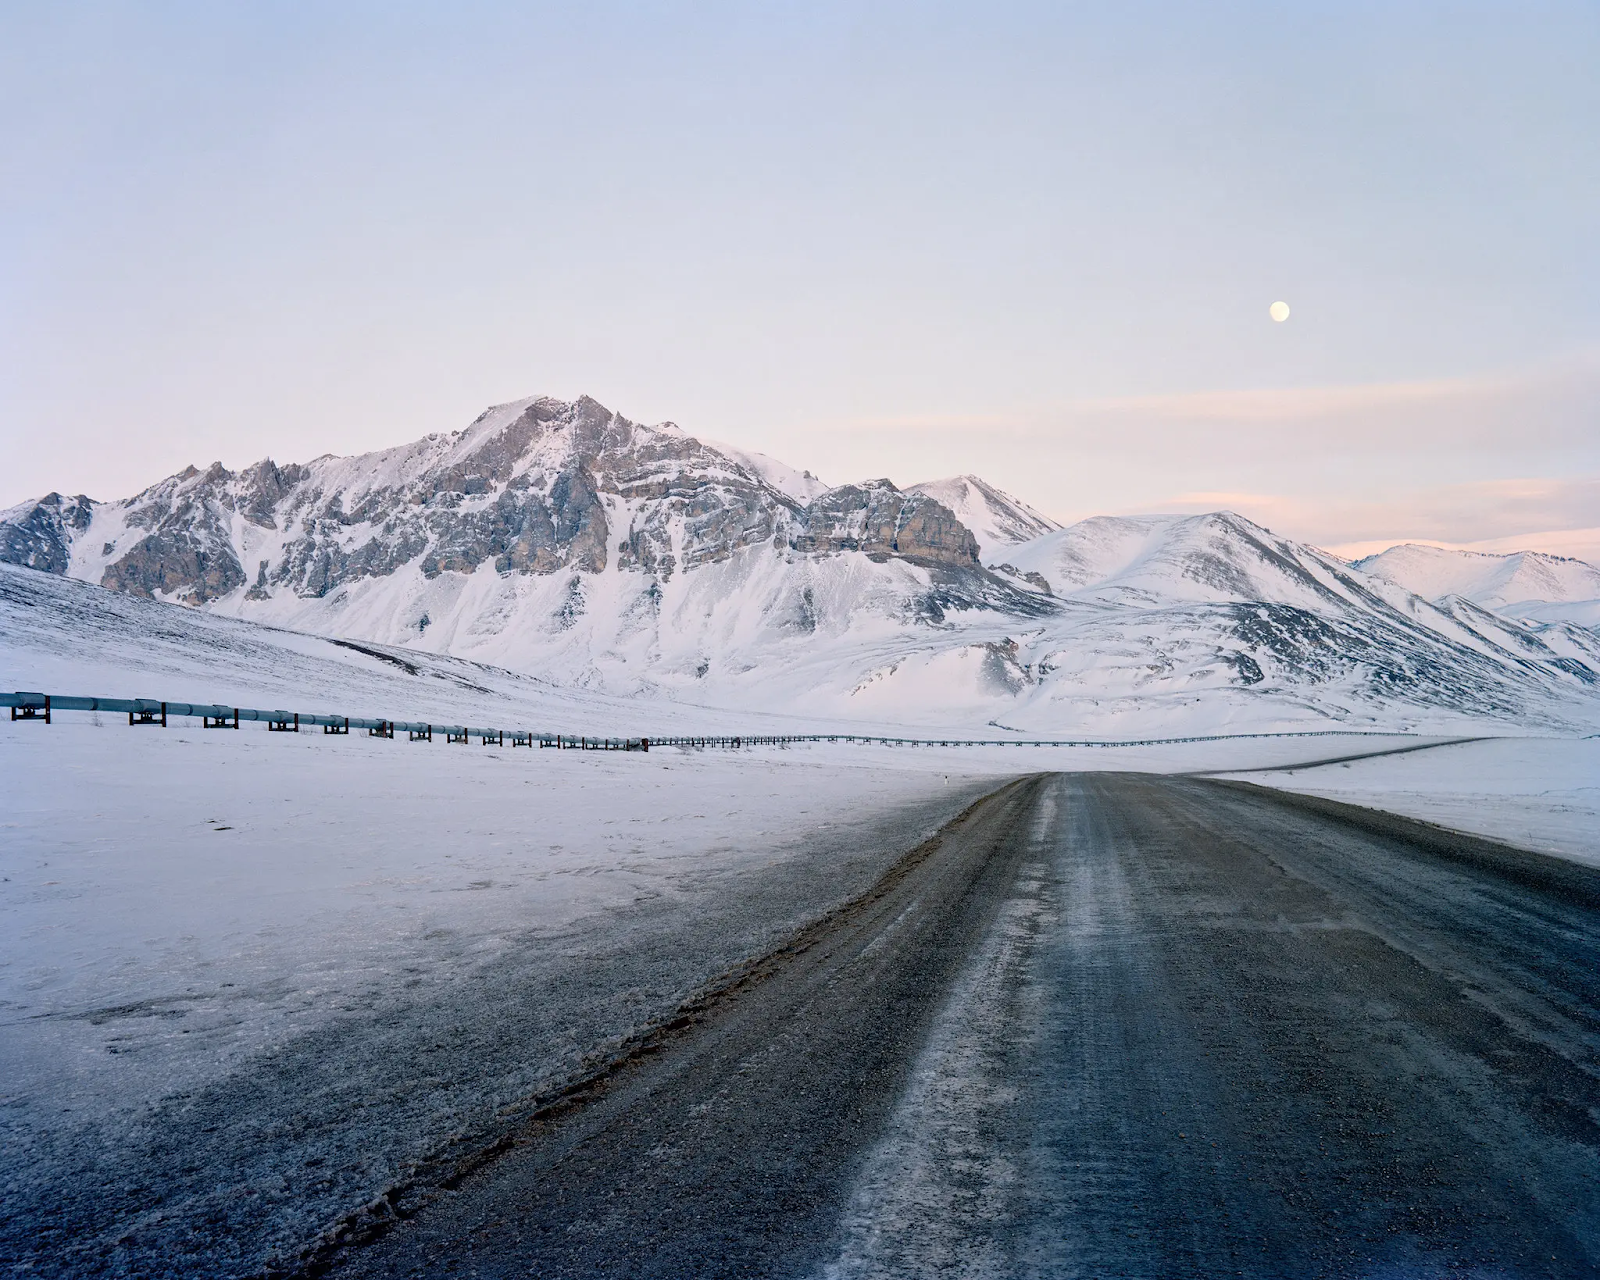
(1279, 311)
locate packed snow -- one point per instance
(1536, 793)
(1521, 584)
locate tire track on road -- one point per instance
(1106, 1024)
(722, 1154)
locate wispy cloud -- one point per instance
(1280, 406)
(1446, 459)
(1556, 397)
(1535, 512)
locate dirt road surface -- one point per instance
(1105, 1024)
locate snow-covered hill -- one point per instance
(1215, 557)
(543, 533)
(563, 541)
(997, 520)
(1523, 583)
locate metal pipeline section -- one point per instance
(144, 710)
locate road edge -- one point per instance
(429, 1179)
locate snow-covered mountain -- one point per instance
(1523, 583)
(997, 520)
(39, 535)
(536, 487)
(545, 536)
(563, 541)
(1200, 613)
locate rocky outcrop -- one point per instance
(537, 487)
(262, 488)
(39, 535)
(186, 565)
(884, 521)
(187, 553)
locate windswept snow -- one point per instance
(1536, 793)
(307, 961)
(996, 519)
(1516, 584)
(800, 485)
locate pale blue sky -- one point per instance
(1023, 240)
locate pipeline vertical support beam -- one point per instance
(32, 711)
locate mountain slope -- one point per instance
(1210, 616)
(535, 487)
(997, 520)
(1518, 581)
(563, 541)
(39, 535)
(546, 535)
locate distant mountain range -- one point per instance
(1524, 584)
(562, 540)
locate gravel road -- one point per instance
(393, 1085)
(1104, 1025)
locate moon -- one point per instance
(1279, 311)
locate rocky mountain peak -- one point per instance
(997, 519)
(535, 486)
(563, 539)
(40, 533)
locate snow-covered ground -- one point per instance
(195, 924)
(184, 914)
(1537, 793)
(254, 881)
(251, 882)
(240, 886)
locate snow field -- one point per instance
(255, 882)
(214, 941)
(241, 885)
(1536, 793)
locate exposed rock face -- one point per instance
(39, 535)
(1002, 670)
(536, 487)
(883, 521)
(187, 552)
(187, 565)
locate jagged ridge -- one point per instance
(563, 540)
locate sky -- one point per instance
(1036, 242)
